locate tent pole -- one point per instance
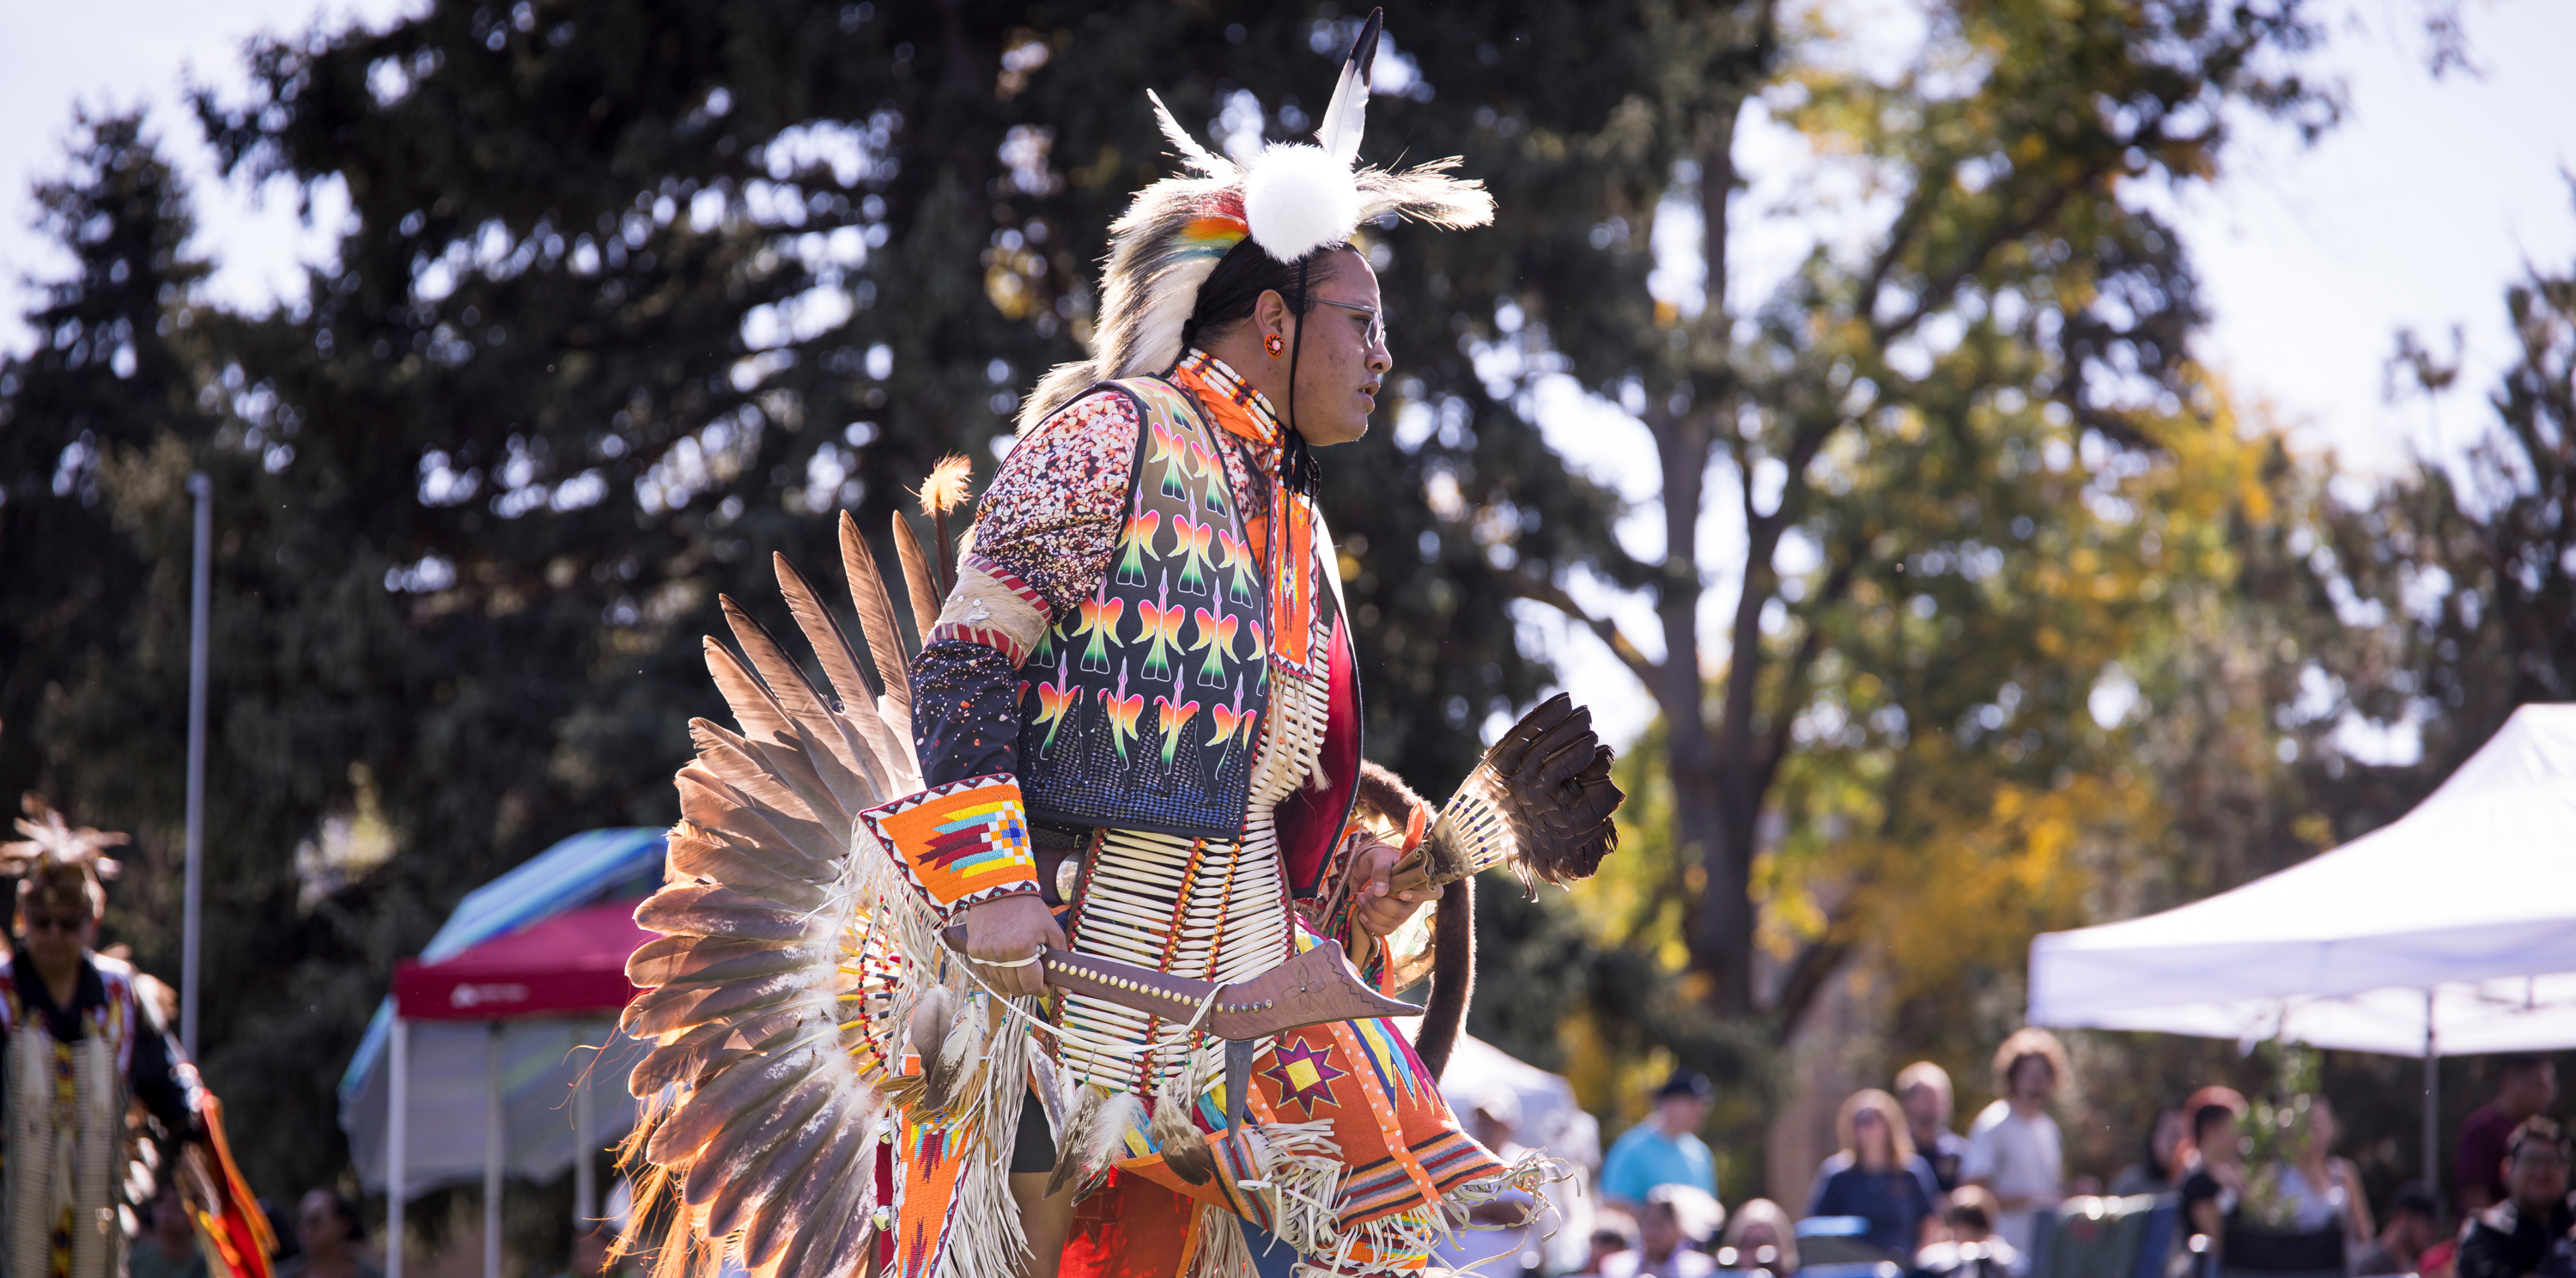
(397, 1145)
(493, 1156)
(2432, 1099)
(585, 1146)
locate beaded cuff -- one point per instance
(960, 844)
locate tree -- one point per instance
(1929, 440)
(108, 373)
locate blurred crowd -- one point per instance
(1908, 1194)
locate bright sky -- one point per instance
(2416, 212)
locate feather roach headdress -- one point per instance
(1292, 199)
(57, 858)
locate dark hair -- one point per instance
(2534, 1128)
(2511, 1063)
(2416, 1197)
(347, 1211)
(2158, 1161)
(1228, 294)
(2208, 1116)
(1973, 1206)
(2022, 1045)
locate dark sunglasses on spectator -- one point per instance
(55, 922)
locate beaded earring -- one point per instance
(1275, 346)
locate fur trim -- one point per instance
(1298, 199)
(1385, 796)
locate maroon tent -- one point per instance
(518, 1001)
(572, 963)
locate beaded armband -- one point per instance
(992, 606)
(960, 844)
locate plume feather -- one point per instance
(1339, 134)
(944, 488)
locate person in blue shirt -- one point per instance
(1663, 1150)
(1877, 1176)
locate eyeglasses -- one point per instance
(1377, 319)
(55, 923)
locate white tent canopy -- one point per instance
(2451, 930)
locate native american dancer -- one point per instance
(1058, 915)
(86, 1043)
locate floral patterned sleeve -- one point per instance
(1042, 539)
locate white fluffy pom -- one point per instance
(1297, 199)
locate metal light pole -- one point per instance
(200, 595)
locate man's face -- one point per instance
(1343, 358)
(1680, 1114)
(317, 1223)
(1660, 1231)
(2529, 1091)
(2536, 1175)
(2033, 1078)
(1925, 1107)
(2414, 1233)
(55, 931)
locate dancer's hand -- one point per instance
(1007, 930)
(1379, 904)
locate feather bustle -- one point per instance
(918, 585)
(710, 857)
(789, 745)
(841, 759)
(832, 1223)
(667, 960)
(708, 802)
(849, 1150)
(775, 740)
(832, 647)
(886, 651)
(682, 1007)
(840, 659)
(693, 1055)
(752, 1081)
(700, 909)
(727, 756)
(720, 1163)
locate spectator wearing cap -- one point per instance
(1676, 1222)
(1663, 1150)
(2519, 1235)
(1923, 1088)
(2524, 1087)
(2014, 1148)
(1877, 1176)
(2414, 1224)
